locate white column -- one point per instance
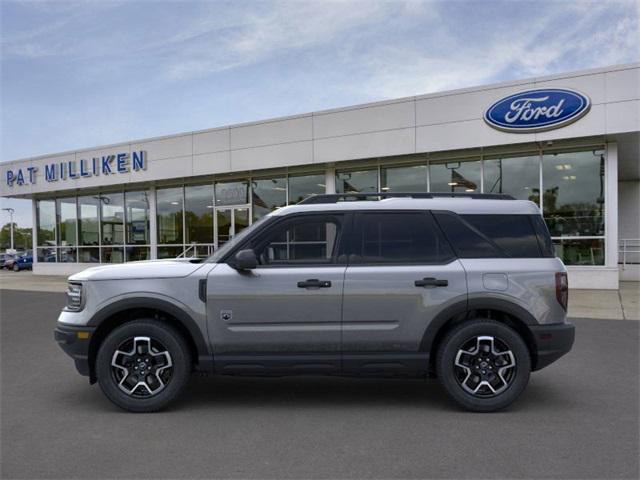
(34, 232)
(330, 179)
(153, 218)
(611, 205)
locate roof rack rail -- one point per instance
(355, 196)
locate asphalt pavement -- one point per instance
(578, 418)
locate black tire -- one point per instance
(176, 376)
(453, 377)
(16, 268)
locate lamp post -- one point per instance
(11, 212)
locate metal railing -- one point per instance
(192, 251)
(629, 251)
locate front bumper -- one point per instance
(75, 343)
(552, 342)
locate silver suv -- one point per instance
(463, 287)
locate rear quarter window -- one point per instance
(488, 236)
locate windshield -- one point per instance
(239, 238)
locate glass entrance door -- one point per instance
(229, 222)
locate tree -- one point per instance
(21, 237)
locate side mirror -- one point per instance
(245, 260)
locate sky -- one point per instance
(79, 74)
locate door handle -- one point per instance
(431, 282)
(314, 283)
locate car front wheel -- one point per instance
(143, 365)
(484, 365)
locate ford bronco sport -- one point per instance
(462, 287)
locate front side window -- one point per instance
(302, 240)
(399, 238)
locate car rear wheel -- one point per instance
(484, 365)
(143, 365)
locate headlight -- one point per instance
(74, 297)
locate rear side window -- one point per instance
(515, 236)
(467, 241)
(399, 238)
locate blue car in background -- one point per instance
(23, 262)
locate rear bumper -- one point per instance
(75, 343)
(552, 342)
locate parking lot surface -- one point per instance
(578, 418)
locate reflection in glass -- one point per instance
(134, 254)
(47, 254)
(267, 195)
(224, 216)
(112, 255)
(46, 218)
(240, 220)
(574, 193)
(67, 222)
(137, 217)
(89, 255)
(404, 179)
(88, 220)
(301, 186)
(516, 176)
(169, 252)
(67, 254)
(169, 206)
(364, 181)
(232, 193)
(580, 251)
(457, 176)
(112, 218)
(198, 213)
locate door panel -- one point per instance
(402, 273)
(284, 315)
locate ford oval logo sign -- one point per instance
(537, 110)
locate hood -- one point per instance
(139, 270)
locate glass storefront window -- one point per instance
(169, 206)
(515, 176)
(46, 218)
(268, 194)
(580, 251)
(89, 255)
(169, 252)
(573, 198)
(455, 176)
(88, 220)
(232, 193)
(134, 254)
(404, 179)
(47, 254)
(112, 217)
(67, 255)
(137, 218)
(112, 255)
(301, 186)
(198, 213)
(364, 181)
(67, 221)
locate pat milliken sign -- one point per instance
(537, 110)
(105, 165)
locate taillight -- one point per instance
(562, 289)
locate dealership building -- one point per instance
(568, 142)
